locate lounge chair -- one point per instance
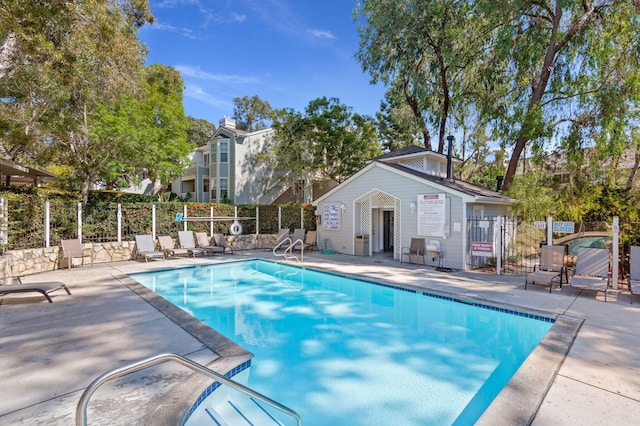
(592, 270)
(72, 249)
(311, 240)
(634, 269)
(43, 288)
(283, 234)
(221, 241)
(415, 249)
(297, 239)
(204, 243)
(169, 246)
(551, 268)
(145, 247)
(186, 241)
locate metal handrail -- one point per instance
(81, 409)
(275, 249)
(292, 246)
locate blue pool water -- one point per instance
(341, 351)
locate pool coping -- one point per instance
(517, 403)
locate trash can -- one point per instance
(362, 245)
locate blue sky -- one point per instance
(285, 51)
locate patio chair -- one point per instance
(283, 234)
(146, 247)
(221, 241)
(204, 243)
(72, 249)
(415, 249)
(186, 241)
(311, 240)
(297, 239)
(43, 288)
(551, 268)
(634, 269)
(592, 270)
(168, 245)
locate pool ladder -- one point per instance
(81, 408)
(288, 251)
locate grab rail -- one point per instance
(81, 409)
(275, 249)
(290, 249)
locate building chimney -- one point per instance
(499, 180)
(449, 153)
(227, 122)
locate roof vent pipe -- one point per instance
(449, 153)
(499, 180)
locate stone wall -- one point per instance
(32, 261)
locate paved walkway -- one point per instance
(52, 352)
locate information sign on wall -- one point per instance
(431, 214)
(331, 217)
(539, 224)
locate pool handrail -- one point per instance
(81, 408)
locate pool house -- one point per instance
(410, 193)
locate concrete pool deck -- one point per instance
(52, 352)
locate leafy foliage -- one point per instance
(251, 113)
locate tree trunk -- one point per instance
(84, 192)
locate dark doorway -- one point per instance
(387, 240)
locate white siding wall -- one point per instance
(407, 190)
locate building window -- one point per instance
(206, 160)
(224, 152)
(205, 185)
(224, 189)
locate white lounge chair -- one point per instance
(551, 268)
(168, 245)
(145, 247)
(283, 234)
(205, 243)
(592, 270)
(186, 241)
(43, 288)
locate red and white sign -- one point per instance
(481, 248)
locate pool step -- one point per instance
(237, 412)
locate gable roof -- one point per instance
(410, 151)
(466, 190)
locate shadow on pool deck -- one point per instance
(52, 352)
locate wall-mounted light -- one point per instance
(343, 207)
(413, 207)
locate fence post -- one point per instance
(301, 217)
(211, 221)
(47, 224)
(4, 226)
(615, 255)
(499, 246)
(184, 217)
(549, 230)
(153, 222)
(119, 218)
(257, 220)
(80, 221)
(279, 218)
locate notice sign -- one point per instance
(481, 248)
(563, 227)
(539, 224)
(431, 214)
(331, 217)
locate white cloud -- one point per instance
(186, 32)
(196, 92)
(322, 34)
(196, 72)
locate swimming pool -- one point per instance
(344, 351)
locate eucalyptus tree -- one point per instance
(427, 48)
(572, 72)
(395, 122)
(251, 113)
(200, 131)
(326, 141)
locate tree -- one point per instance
(427, 49)
(200, 131)
(395, 121)
(326, 141)
(572, 73)
(103, 63)
(251, 113)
